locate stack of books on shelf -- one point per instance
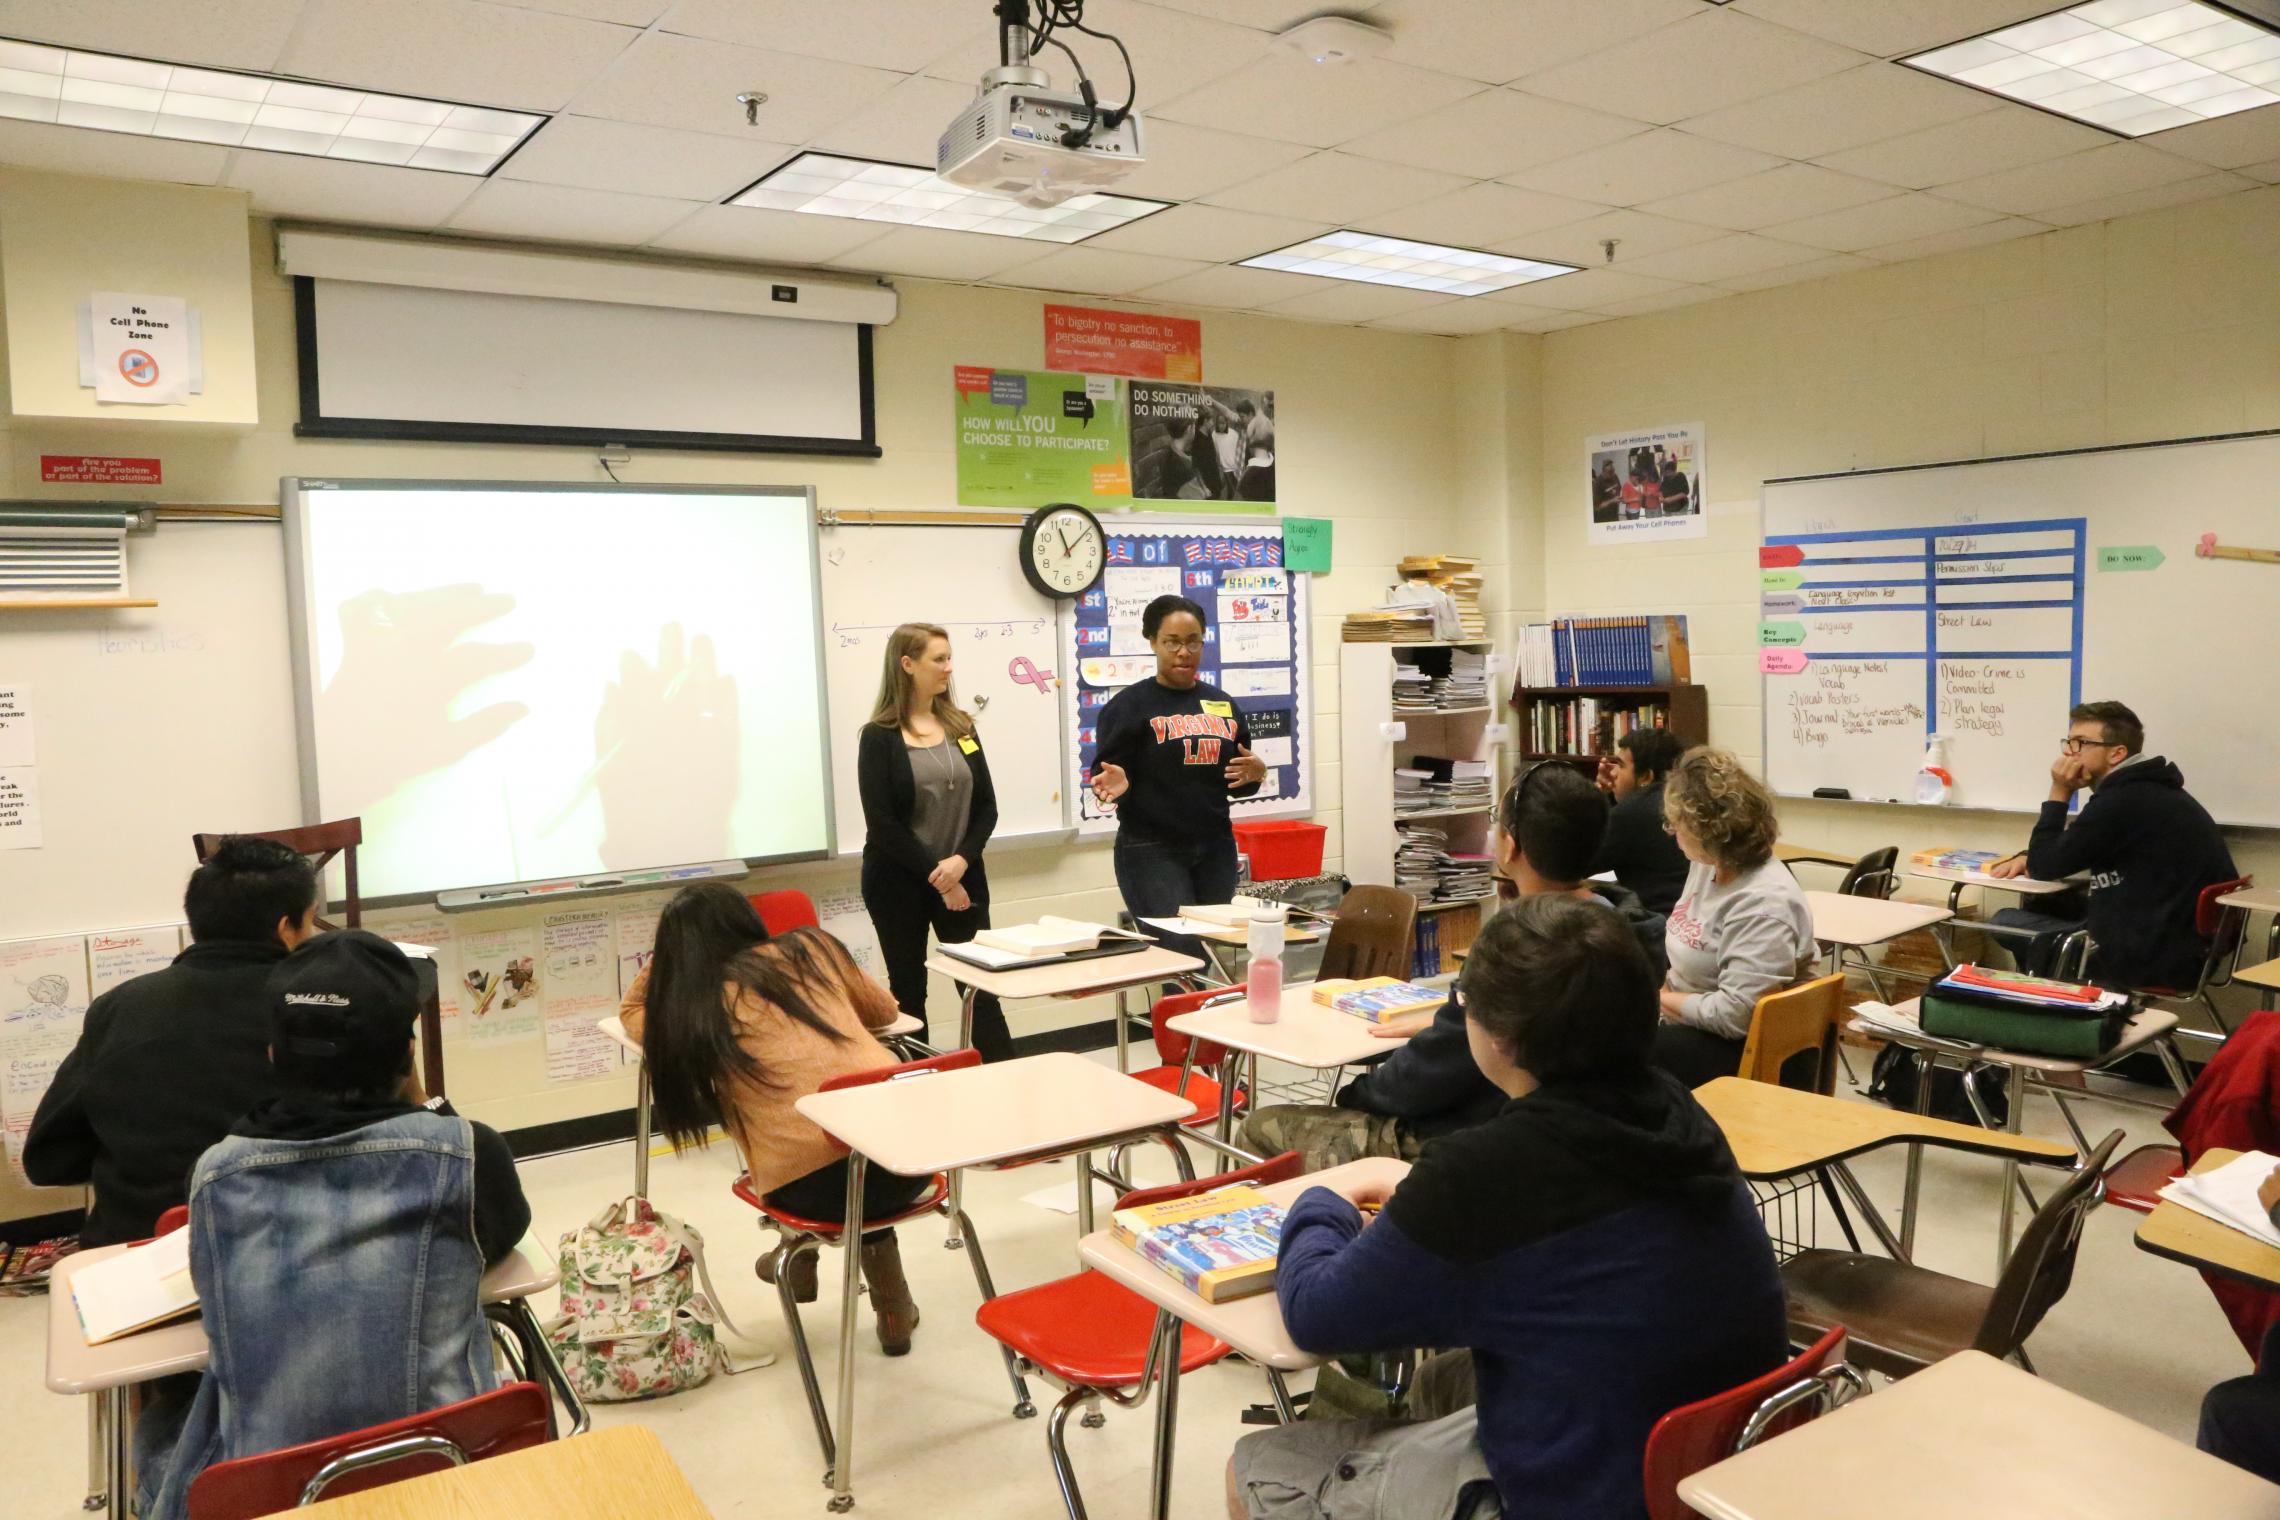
(1417, 859)
(1609, 651)
(1465, 876)
(1429, 782)
(1412, 790)
(1440, 680)
(1466, 684)
(1389, 625)
(1586, 725)
(1457, 574)
(1412, 687)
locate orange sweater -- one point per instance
(778, 1144)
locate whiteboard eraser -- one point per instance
(1393, 730)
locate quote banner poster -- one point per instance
(1196, 444)
(1028, 437)
(1646, 483)
(1093, 341)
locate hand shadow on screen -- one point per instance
(666, 748)
(393, 643)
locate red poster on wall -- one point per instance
(1092, 341)
(98, 470)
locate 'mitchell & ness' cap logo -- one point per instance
(319, 999)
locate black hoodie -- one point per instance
(2149, 849)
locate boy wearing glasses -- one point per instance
(2147, 846)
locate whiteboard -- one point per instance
(1004, 640)
(152, 724)
(1983, 599)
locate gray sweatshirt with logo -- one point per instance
(1731, 943)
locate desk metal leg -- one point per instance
(1084, 1193)
(1167, 1415)
(1850, 1186)
(641, 1133)
(2015, 1086)
(850, 1289)
(1925, 1066)
(1123, 1033)
(966, 1018)
(118, 1481)
(1229, 1065)
(98, 1450)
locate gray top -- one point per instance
(1732, 943)
(945, 796)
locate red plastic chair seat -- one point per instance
(1087, 1330)
(1203, 1091)
(2135, 1182)
(828, 1229)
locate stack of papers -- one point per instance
(1389, 625)
(1465, 876)
(1050, 935)
(1466, 684)
(1417, 859)
(1412, 689)
(1413, 790)
(135, 1289)
(1883, 1016)
(2228, 1195)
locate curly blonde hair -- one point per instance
(1727, 810)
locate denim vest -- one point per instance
(338, 1279)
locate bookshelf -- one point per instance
(1369, 757)
(1686, 706)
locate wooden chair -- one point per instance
(1798, 1018)
(1901, 1318)
(321, 842)
(1374, 935)
(1708, 1431)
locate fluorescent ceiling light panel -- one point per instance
(1378, 260)
(2130, 66)
(826, 184)
(112, 94)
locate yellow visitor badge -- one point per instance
(1220, 709)
(969, 745)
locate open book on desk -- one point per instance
(140, 1287)
(2228, 1195)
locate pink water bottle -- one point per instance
(1265, 976)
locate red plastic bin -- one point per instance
(1282, 850)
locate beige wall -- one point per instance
(2163, 325)
(1368, 438)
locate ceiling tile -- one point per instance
(2246, 137)
(1355, 301)
(227, 34)
(1798, 274)
(1095, 271)
(1636, 235)
(2115, 169)
(2130, 203)
(1172, 52)
(1644, 168)
(1879, 222)
(682, 82)
(454, 49)
(1716, 58)
(75, 150)
(777, 237)
(1336, 188)
(901, 126)
(328, 190)
(1284, 96)
(1684, 295)
(1480, 215)
(1455, 319)
(935, 254)
(561, 214)
(1494, 133)
(1829, 115)
(1722, 260)
(1188, 163)
(1207, 232)
(1243, 289)
(623, 12)
(1778, 195)
(903, 35)
(2005, 138)
(1890, 28)
(1500, 40)
(2001, 230)
(620, 155)
(1266, 15)
(1587, 291)
(1533, 321)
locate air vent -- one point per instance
(58, 562)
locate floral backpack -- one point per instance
(633, 1325)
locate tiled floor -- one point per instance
(934, 1435)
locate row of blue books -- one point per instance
(1638, 650)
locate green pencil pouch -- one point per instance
(2083, 1036)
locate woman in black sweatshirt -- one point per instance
(928, 809)
(1174, 752)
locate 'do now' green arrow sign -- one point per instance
(2129, 557)
(1780, 580)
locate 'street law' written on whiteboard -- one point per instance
(1981, 600)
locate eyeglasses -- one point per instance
(2074, 744)
(1181, 644)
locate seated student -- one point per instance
(1550, 822)
(1638, 847)
(1742, 927)
(339, 1231)
(167, 1062)
(2240, 1417)
(736, 1027)
(1592, 1244)
(2148, 846)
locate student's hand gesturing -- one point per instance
(1245, 769)
(1109, 782)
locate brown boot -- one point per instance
(891, 1303)
(803, 1274)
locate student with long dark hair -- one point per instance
(1174, 752)
(928, 812)
(735, 1028)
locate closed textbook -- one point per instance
(1221, 1245)
(143, 1286)
(1378, 999)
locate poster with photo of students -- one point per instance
(1201, 443)
(1646, 483)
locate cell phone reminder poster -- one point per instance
(1027, 437)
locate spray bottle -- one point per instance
(1934, 783)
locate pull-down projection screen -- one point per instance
(514, 683)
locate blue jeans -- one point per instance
(1157, 880)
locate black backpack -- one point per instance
(1893, 1082)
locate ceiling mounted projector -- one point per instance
(1023, 138)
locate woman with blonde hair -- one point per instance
(928, 809)
(1742, 927)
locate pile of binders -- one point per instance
(2010, 1010)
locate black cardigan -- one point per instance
(890, 796)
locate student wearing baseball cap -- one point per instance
(339, 1232)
